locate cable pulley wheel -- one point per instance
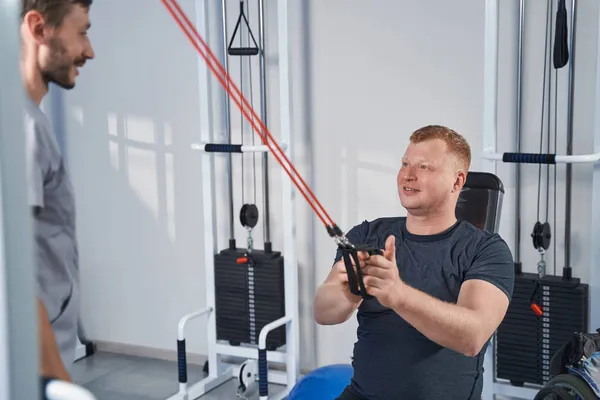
(541, 235)
(249, 215)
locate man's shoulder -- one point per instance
(33, 112)
(38, 129)
(478, 238)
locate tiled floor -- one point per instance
(119, 377)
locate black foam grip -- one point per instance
(361, 282)
(243, 51)
(263, 378)
(529, 158)
(223, 148)
(181, 361)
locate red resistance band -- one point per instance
(355, 279)
(236, 95)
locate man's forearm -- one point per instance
(331, 305)
(51, 363)
(447, 324)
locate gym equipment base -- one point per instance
(228, 372)
(220, 372)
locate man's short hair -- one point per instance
(456, 144)
(54, 11)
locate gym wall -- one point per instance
(365, 75)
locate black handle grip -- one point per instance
(263, 373)
(529, 158)
(222, 148)
(181, 361)
(352, 278)
(242, 51)
(355, 277)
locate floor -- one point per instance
(121, 377)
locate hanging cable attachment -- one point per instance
(541, 265)
(250, 241)
(242, 51)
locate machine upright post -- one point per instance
(208, 186)
(19, 360)
(290, 259)
(490, 126)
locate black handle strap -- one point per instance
(355, 276)
(352, 278)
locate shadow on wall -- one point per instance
(130, 247)
(130, 123)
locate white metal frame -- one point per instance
(594, 282)
(492, 386)
(19, 348)
(219, 371)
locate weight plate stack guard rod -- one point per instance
(350, 251)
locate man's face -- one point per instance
(427, 178)
(67, 49)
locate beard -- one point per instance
(57, 68)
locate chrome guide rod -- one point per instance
(263, 109)
(227, 105)
(518, 132)
(569, 170)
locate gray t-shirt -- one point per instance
(392, 359)
(51, 195)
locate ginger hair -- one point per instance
(456, 144)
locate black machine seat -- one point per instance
(480, 201)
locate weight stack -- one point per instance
(249, 296)
(525, 342)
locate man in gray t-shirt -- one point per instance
(54, 45)
(440, 288)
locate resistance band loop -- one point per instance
(349, 250)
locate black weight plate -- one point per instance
(543, 323)
(518, 375)
(524, 356)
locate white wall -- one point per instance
(365, 75)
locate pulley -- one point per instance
(249, 215)
(247, 380)
(541, 235)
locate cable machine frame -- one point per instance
(490, 157)
(218, 371)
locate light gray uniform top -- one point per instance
(56, 255)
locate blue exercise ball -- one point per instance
(324, 383)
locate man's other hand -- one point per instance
(381, 276)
